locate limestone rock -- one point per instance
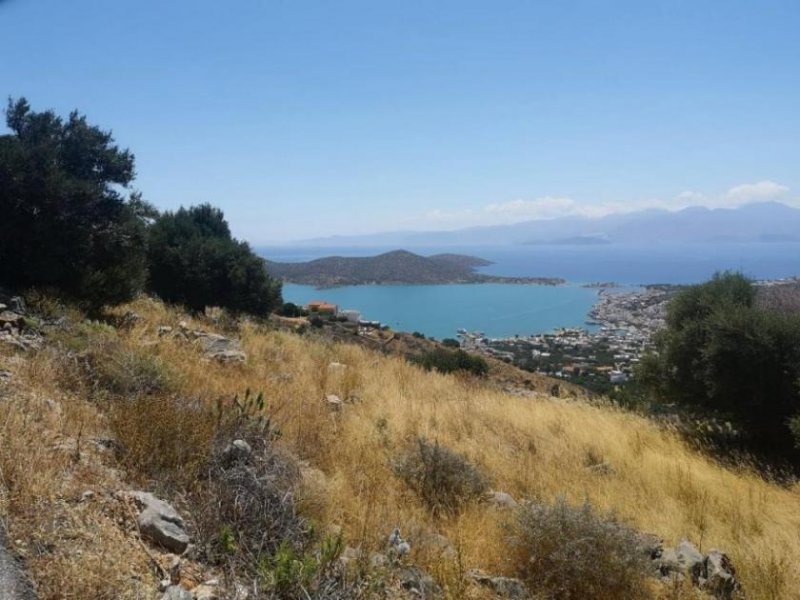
(690, 560)
(719, 576)
(418, 582)
(505, 587)
(160, 522)
(17, 304)
(10, 318)
(650, 545)
(237, 451)
(218, 347)
(176, 592)
(334, 401)
(502, 500)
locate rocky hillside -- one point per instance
(399, 266)
(153, 454)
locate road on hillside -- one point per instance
(14, 585)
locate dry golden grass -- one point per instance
(531, 448)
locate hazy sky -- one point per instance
(302, 118)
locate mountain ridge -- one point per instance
(759, 222)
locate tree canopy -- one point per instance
(195, 261)
(722, 352)
(65, 223)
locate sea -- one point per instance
(504, 310)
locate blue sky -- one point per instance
(303, 119)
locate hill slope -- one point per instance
(128, 384)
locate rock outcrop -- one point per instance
(713, 573)
(14, 584)
(505, 587)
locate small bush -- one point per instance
(445, 480)
(449, 361)
(164, 438)
(451, 343)
(417, 334)
(245, 504)
(95, 361)
(569, 552)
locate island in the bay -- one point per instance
(396, 267)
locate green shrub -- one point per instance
(451, 343)
(568, 552)
(723, 353)
(445, 480)
(450, 361)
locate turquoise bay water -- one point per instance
(440, 310)
(504, 310)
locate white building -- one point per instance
(354, 316)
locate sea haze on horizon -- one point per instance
(507, 309)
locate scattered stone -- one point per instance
(713, 573)
(502, 500)
(176, 592)
(418, 582)
(237, 451)
(17, 304)
(506, 587)
(3, 307)
(5, 375)
(334, 401)
(720, 576)
(398, 547)
(160, 523)
(87, 495)
(650, 545)
(12, 319)
(164, 330)
(230, 356)
(218, 347)
(337, 367)
(690, 560)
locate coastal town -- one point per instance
(604, 353)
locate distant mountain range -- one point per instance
(758, 222)
(398, 266)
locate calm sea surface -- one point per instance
(503, 310)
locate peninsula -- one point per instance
(396, 267)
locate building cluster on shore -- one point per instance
(620, 329)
